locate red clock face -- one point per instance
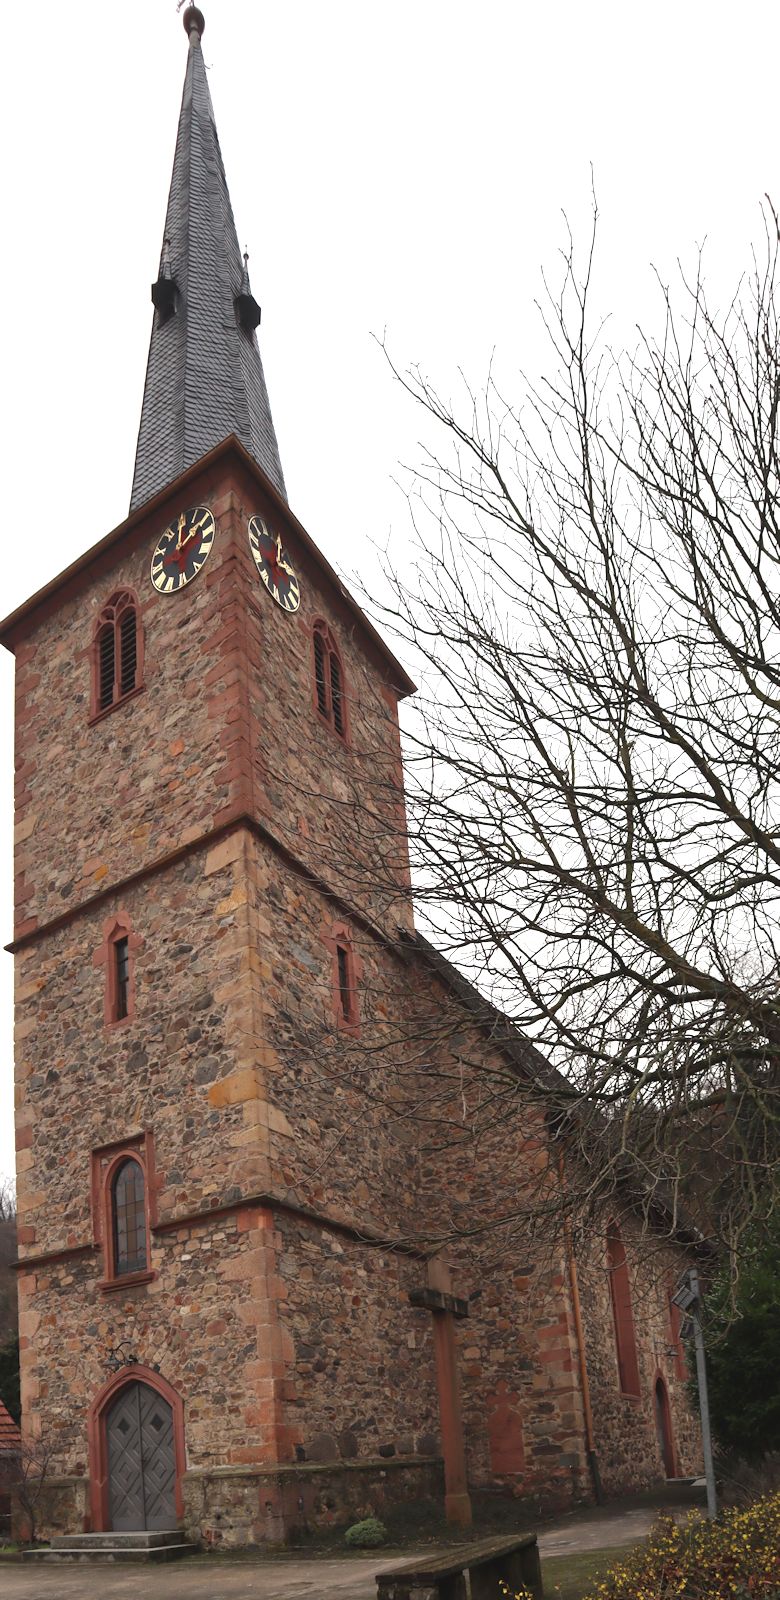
(274, 565)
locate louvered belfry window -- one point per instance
(128, 1217)
(329, 680)
(106, 660)
(320, 660)
(336, 696)
(117, 652)
(128, 649)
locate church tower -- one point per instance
(207, 777)
(235, 1318)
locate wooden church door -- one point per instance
(663, 1428)
(141, 1460)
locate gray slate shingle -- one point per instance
(204, 378)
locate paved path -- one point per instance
(600, 1530)
(284, 1577)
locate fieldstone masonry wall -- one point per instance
(296, 1197)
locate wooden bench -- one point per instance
(514, 1562)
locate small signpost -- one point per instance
(687, 1298)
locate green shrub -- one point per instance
(367, 1534)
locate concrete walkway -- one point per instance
(288, 1577)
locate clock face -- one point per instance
(182, 549)
(274, 565)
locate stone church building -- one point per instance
(263, 1285)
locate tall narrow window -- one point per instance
(122, 977)
(118, 648)
(620, 1291)
(346, 991)
(329, 687)
(128, 1217)
(106, 654)
(128, 649)
(320, 657)
(345, 973)
(336, 697)
(117, 955)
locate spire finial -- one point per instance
(194, 22)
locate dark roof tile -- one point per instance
(10, 1437)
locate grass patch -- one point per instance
(571, 1577)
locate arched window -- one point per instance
(329, 685)
(124, 1209)
(128, 1219)
(620, 1291)
(117, 653)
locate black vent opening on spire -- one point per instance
(164, 298)
(164, 291)
(248, 313)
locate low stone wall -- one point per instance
(238, 1506)
(63, 1508)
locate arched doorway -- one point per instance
(136, 1453)
(663, 1428)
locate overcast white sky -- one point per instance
(401, 168)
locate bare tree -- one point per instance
(7, 1258)
(30, 1475)
(594, 763)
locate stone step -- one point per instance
(95, 1554)
(141, 1539)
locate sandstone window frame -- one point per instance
(622, 1314)
(346, 973)
(107, 1163)
(118, 1006)
(329, 681)
(116, 654)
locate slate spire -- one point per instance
(204, 378)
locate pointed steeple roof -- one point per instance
(204, 378)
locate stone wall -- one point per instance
(228, 1508)
(174, 1067)
(362, 1380)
